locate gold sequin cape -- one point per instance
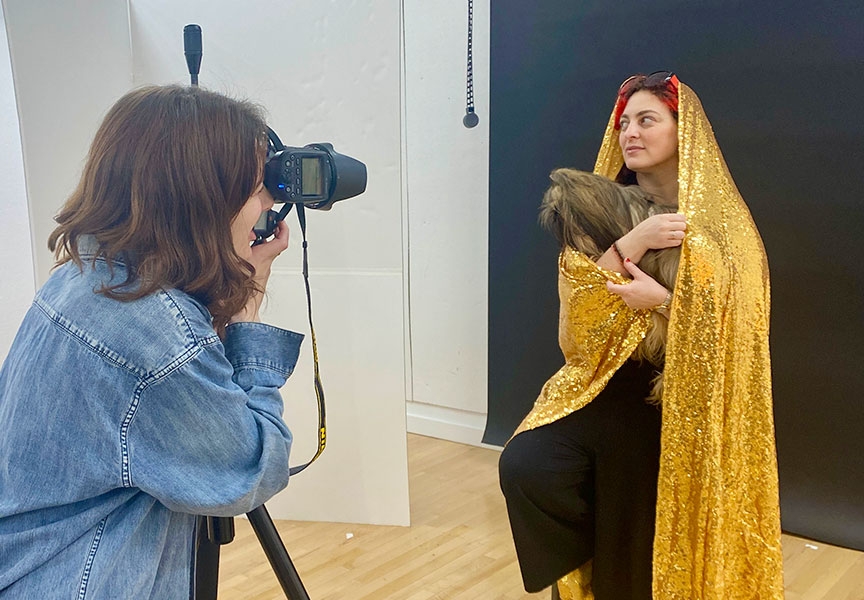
(718, 518)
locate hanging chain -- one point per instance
(470, 119)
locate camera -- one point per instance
(314, 176)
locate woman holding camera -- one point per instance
(141, 389)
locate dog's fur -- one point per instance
(589, 212)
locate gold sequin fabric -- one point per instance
(718, 513)
(597, 333)
(718, 518)
(577, 585)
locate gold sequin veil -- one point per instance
(718, 520)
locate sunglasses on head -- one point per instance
(652, 80)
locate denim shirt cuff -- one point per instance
(258, 345)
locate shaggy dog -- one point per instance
(588, 213)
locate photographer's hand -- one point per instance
(262, 259)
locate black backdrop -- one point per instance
(783, 85)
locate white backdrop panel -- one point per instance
(361, 475)
(16, 256)
(325, 71)
(447, 172)
(71, 60)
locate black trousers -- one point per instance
(585, 487)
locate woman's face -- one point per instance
(649, 135)
(243, 224)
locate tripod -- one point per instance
(216, 531)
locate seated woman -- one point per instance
(647, 467)
(141, 389)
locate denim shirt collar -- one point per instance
(89, 250)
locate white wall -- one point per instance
(448, 204)
(16, 256)
(70, 61)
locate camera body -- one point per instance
(299, 175)
(315, 176)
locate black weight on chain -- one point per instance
(470, 119)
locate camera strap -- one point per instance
(319, 388)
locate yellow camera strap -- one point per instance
(319, 388)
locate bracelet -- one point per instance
(617, 251)
(667, 302)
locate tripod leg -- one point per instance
(281, 563)
(205, 578)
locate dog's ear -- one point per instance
(584, 210)
(550, 217)
(560, 213)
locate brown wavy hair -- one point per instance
(168, 170)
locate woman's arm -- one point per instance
(654, 233)
(208, 437)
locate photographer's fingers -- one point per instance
(273, 247)
(281, 235)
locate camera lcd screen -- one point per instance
(312, 180)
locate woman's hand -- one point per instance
(654, 233)
(262, 259)
(642, 292)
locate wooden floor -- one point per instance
(458, 546)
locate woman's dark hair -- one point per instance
(663, 86)
(169, 169)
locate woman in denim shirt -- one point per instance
(141, 390)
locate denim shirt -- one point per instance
(120, 421)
